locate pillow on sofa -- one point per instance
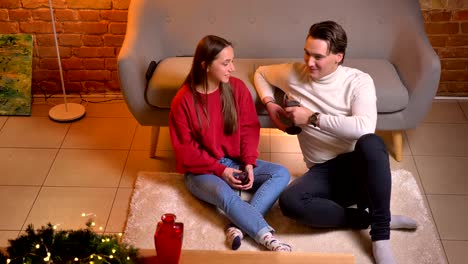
(392, 95)
(171, 73)
(166, 80)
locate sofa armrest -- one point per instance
(419, 69)
(135, 56)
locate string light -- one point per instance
(90, 259)
(48, 257)
(87, 214)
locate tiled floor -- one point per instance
(55, 172)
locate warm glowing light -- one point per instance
(128, 258)
(101, 228)
(120, 234)
(93, 223)
(8, 260)
(76, 259)
(107, 239)
(113, 250)
(111, 256)
(38, 246)
(54, 227)
(99, 257)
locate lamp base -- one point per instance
(70, 113)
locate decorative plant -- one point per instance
(47, 245)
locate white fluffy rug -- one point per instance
(157, 193)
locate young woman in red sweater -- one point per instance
(215, 134)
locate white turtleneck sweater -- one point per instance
(345, 99)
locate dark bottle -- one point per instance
(168, 239)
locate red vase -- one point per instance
(168, 239)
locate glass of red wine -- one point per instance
(290, 101)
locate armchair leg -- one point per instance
(154, 141)
(397, 137)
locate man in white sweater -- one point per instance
(348, 164)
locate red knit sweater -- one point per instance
(198, 150)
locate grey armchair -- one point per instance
(387, 39)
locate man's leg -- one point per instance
(321, 196)
(372, 169)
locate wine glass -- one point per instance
(290, 101)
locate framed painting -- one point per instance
(15, 74)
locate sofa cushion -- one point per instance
(166, 80)
(392, 96)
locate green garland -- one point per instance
(46, 245)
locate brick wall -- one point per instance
(90, 33)
(448, 32)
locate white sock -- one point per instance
(382, 250)
(233, 237)
(273, 244)
(402, 222)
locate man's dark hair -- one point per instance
(333, 34)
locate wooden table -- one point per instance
(251, 257)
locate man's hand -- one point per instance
(299, 115)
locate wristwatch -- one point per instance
(313, 119)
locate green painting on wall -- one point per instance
(15, 74)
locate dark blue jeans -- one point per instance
(321, 197)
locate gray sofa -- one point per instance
(386, 39)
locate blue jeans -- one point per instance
(270, 180)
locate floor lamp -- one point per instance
(65, 112)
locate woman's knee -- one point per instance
(283, 174)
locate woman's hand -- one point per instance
(228, 177)
(250, 175)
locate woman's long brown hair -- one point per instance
(207, 50)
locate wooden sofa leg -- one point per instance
(154, 141)
(397, 137)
